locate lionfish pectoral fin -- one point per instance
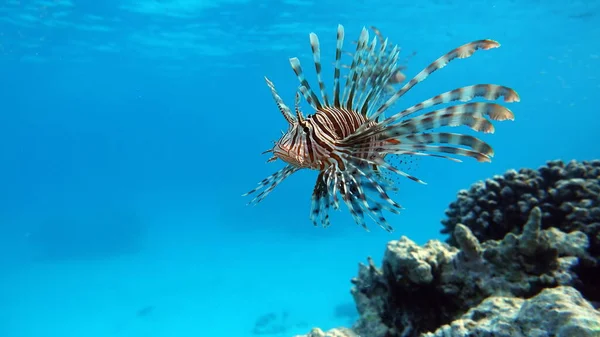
(360, 202)
(461, 52)
(320, 202)
(349, 198)
(269, 183)
(381, 163)
(468, 114)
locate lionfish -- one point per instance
(347, 138)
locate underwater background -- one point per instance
(129, 129)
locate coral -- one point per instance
(439, 289)
(338, 332)
(567, 194)
(560, 312)
(522, 260)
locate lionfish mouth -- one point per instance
(347, 139)
(286, 155)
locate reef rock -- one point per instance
(560, 312)
(441, 290)
(567, 194)
(338, 332)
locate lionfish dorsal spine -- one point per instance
(285, 111)
(463, 51)
(336, 71)
(316, 51)
(299, 114)
(309, 94)
(364, 72)
(309, 98)
(354, 69)
(375, 86)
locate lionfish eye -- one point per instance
(305, 128)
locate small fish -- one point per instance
(347, 138)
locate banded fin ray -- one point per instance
(284, 109)
(320, 201)
(461, 52)
(269, 183)
(316, 51)
(472, 115)
(308, 93)
(336, 72)
(355, 70)
(464, 94)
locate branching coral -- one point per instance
(567, 194)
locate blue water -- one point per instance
(129, 129)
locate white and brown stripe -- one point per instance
(348, 139)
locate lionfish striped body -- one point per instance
(348, 137)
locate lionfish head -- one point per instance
(289, 149)
(292, 146)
